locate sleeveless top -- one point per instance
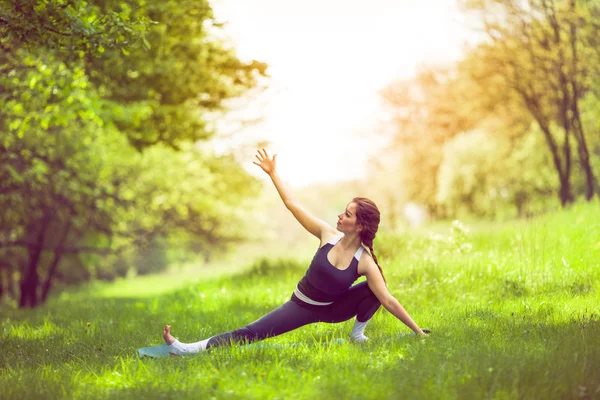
(323, 283)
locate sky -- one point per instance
(328, 61)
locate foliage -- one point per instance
(70, 26)
(539, 51)
(484, 175)
(423, 119)
(171, 89)
(461, 134)
(275, 268)
(83, 193)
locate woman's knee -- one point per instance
(363, 291)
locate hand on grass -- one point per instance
(424, 333)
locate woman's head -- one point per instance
(361, 216)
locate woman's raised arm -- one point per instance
(312, 224)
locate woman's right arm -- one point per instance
(312, 224)
(368, 268)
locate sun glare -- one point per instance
(328, 60)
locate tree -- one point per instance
(487, 173)
(426, 112)
(172, 88)
(77, 181)
(73, 27)
(537, 51)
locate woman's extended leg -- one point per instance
(283, 319)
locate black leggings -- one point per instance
(359, 301)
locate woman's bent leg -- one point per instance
(283, 319)
(360, 302)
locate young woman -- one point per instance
(325, 293)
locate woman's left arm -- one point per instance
(368, 268)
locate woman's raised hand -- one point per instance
(265, 162)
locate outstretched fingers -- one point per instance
(261, 156)
(264, 161)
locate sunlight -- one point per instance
(328, 61)
(26, 331)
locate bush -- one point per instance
(280, 267)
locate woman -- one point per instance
(325, 293)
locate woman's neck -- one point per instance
(351, 241)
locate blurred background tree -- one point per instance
(104, 107)
(510, 126)
(101, 107)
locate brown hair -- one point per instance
(367, 215)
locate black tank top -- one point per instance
(325, 283)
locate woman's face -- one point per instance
(347, 220)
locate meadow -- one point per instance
(513, 308)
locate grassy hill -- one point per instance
(513, 309)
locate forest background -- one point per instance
(108, 110)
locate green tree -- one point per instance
(486, 173)
(74, 117)
(72, 27)
(175, 86)
(538, 51)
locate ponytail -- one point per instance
(368, 216)
(370, 246)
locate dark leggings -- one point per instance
(359, 301)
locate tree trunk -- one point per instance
(12, 292)
(30, 279)
(564, 106)
(565, 193)
(48, 282)
(5, 278)
(568, 193)
(582, 148)
(54, 265)
(584, 159)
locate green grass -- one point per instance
(514, 310)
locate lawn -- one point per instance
(514, 311)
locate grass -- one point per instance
(514, 310)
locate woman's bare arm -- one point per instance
(368, 268)
(314, 225)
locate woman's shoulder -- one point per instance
(365, 262)
(331, 236)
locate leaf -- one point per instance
(14, 125)
(45, 123)
(15, 175)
